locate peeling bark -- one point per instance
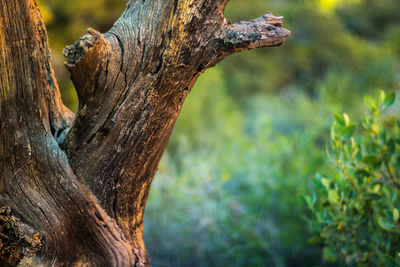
(82, 183)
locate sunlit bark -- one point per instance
(76, 186)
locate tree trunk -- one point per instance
(74, 187)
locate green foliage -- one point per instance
(231, 193)
(355, 212)
(363, 17)
(323, 55)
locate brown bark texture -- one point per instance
(73, 187)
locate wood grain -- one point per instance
(81, 181)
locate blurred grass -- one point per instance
(255, 128)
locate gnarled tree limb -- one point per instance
(265, 31)
(132, 82)
(88, 199)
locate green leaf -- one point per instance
(385, 223)
(359, 156)
(396, 215)
(333, 134)
(388, 191)
(371, 159)
(339, 119)
(349, 131)
(317, 181)
(389, 100)
(326, 183)
(370, 102)
(306, 200)
(375, 128)
(388, 260)
(333, 197)
(346, 119)
(391, 146)
(376, 188)
(381, 97)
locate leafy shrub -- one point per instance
(355, 213)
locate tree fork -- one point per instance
(82, 182)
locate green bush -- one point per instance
(355, 212)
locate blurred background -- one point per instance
(255, 128)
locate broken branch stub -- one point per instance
(265, 31)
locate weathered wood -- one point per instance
(83, 185)
(36, 181)
(132, 82)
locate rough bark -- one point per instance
(77, 186)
